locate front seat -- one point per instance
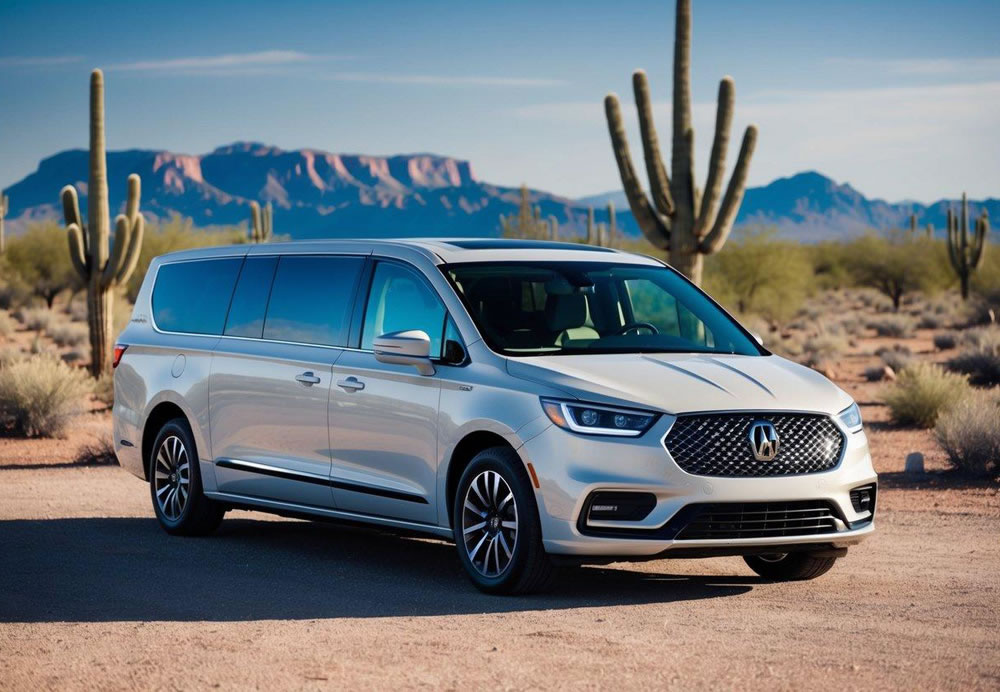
(566, 318)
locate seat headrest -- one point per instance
(564, 312)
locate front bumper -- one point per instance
(570, 467)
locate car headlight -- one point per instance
(851, 417)
(594, 419)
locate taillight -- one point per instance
(119, 352)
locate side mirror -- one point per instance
(412, 347)
(757, 337)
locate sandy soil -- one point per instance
(94, 595)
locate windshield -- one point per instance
(563, 308)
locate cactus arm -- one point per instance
(123, 233)
(269, 225)
(979, 241)
(717, 161)
(76, 250)
(132, 254)
(659, 181)
(953, 243)
(134, 192)
(71, 212)
(963, 227)
(716, 238)
(254, 222)
(655, 226)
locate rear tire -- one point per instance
(789, 566)
(175, 484)
(496, 525)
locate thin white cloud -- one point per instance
(442, 80)
(236, 62)
(924, 67)
(924, 142)
(38, 61)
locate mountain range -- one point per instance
(321, 194)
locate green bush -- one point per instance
(40, 260)
(897, 264)
(922, 391)
(895, 326)
(969, 433)
(40, 395)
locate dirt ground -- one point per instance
(94, 595)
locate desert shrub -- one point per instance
(37, 347)
(36, 319)
(64, 334)
(930, 320)
(40, 259)
(969, 433)
(77, 310)
(72, 356)
(895, 326)
(897, 264)
(9, 354)
(40, 395)
(981, 359)
(7, 324)
(922, 391)
(945, 341)
(875, 373)
(760, 274)
(897, 357)
(823, 348)
(99, 453)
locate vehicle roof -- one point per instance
(437, 250)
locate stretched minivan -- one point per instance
(536, 403)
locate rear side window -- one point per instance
(246, 314)
(311, 299)
(193, 297)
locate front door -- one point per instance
(383, 417)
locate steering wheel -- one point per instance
(636, 326)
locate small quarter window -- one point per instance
(193, 297)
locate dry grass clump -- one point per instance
(922, 391)
(897, 357)
(981, 359)
(65, 334)
(969, 433)
(40, 395)
(823, 348)
(930, 320)
(99, 453)
(104, 389)
(945, 341)
(36, 319)
(7, 324)
(895, 326)
(10, 354)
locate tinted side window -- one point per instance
(246, 314)
(194, 296)
(400, 300)
(311, 299)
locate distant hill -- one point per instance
(811, 207)
(315, 193)
(322, 194)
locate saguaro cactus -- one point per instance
(528, 222)
(261, 222)
(966, 252)
(3, 213)
(101, 269)
(680, 219)
(553, 224)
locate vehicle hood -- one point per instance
(683, 383)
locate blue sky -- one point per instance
(899, 98)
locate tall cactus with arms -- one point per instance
(680, 219)
(103, 268)
(966, 252)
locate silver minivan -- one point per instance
(537, 403)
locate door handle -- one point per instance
(351, 384)
(307, 378)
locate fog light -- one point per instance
(863, 498)
(619, 506)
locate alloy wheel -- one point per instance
(172, 477)
(489, 524)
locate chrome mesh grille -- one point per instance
(760, 520)
(718, 444)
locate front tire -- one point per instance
(175, 484)
(497, 531)
(789, 566)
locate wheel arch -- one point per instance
(158, 416)
(466, 449)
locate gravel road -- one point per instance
(94, 595)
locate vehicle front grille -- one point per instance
(758, 520)
(718, 444)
